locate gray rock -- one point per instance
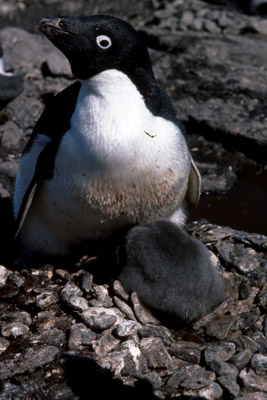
(142, 313)
(11, 136)
(77, 303)
(155, 352)
(46, 299)
(220, 327)
(86, 282)
(154, 379)
(176, 379)
(223, 352)
(124, 308)
(28, 361)
(126, 329)
(119, 290)
(104, 344)
(228, 383)
(14, 330)
(241, 359)
(198, 379)
(69, 289)
(99, 318)
(135, 363)
(80, 336)
(58, 65)
(211, 392)
(4, 343)
(253, 382)
(187, 351)
(221, 367)
(4, 272)
(245, 342)
(252, 396)
(259, 363)
(156, 331)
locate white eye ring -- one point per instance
(103, 41)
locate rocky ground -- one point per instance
(66, 332)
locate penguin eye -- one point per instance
(103, 41)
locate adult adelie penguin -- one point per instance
(109, 151)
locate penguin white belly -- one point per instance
(118, 165)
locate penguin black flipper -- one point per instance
(53, 123)
(170, 271)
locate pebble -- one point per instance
(190, 352)
(77, 303)
(251, 381)
(221, 367)
(46, 299)
(154, 379)
(4, 343)
(229, 384)
(142, 314)
(14, 330)
(198, 378)
(99, 318)
(4, 272)
(69, 289)
(220, 327)
(135, 363)
(126, 329)
(211, 392)
(223, 352)
(259, 363)
(156, 331)
(125, 309)
(241, 359)
(86, 282)
(80, 336)
(155, 352)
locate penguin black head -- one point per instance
(97, 43)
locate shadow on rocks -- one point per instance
(85, 376)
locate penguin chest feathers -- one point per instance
(118, 159)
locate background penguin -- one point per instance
(11, 85)
(108, 152)
(170, 271)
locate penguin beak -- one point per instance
(51, 27)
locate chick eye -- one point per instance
(103, 41)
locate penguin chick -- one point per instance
(108, 152)
(170, 271)
(11, 85)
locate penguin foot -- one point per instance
(170, 271)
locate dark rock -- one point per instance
(104, 344)
(198, 378)
(86, 282)
(99, 318)
(135, 364)
(4, 343)
(252, 396)
(228, 383)
(223, 352)
(70, 289)
(245, 342)
(220, 327)
(142, 313)
(14, 330)
(176, 379)
(28, 361)
(156, 331)
(223, 368)
(155, 352)
(253, 382)
(126, 329)
(154, 379)
(77, 303)
(80, 336)
(211, 172)
(124, 308)
(187, 351)
(241, 359)
(46, 299)
(259, 363)
(211, 392)
(119, 290)
(11, 136)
